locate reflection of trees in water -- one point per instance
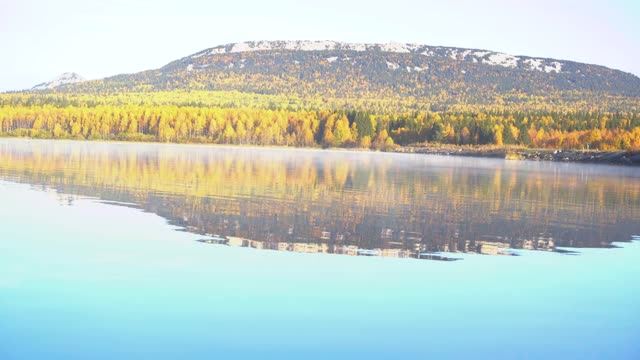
(340, 199)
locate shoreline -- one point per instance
(617, 157)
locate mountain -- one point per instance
(335, 94)
(64, 79)
(333, 69)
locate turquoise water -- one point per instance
(85, 279)
(100, 281)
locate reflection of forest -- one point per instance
(311, 201)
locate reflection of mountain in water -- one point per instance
(339, 202)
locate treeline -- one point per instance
(189, 124)
(327, 128)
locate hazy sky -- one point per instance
(41, 39)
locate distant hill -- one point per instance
(64, 79)
(346, 70)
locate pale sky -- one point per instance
(40, 39)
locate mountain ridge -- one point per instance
(310, 68)
(456, 53)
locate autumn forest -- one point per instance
(236, 118)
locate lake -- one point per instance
(118, 250)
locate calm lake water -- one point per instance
(91, 264)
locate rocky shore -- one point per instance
(627, 158)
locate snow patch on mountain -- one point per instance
(415, 68)
(215, 51)
(554, 67)
(533, 64)
(311, 45)
(246, 47)
(395, 47)
(502, 60)
(392, 65)
(64, 79)
(481, 53)
(357, 47)
(465, 53)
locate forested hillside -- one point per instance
(330, 69)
